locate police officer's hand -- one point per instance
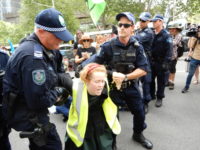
(118, 78)
(62, 96)
(65, 80)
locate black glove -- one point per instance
(65, 80)
(77, 70)
(62, 95)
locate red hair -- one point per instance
(87, 71)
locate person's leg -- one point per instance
(146, 91)
(134, 101)
(172, 69)
(4, 140)
(153, 84)
(192, 68)
(196, 75)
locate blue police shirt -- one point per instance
(106, 53)
(145, 36)
(32, 74)
(162, 46)
(3, 59)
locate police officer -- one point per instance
(35, 80)
(161, 56)
(145, 36)
(126, 62)
(4, 130)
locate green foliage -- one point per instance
(9, 32)
(116, 6)
(193, 7)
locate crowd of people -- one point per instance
(110, 73)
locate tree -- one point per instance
(192, 7)
(30, 8)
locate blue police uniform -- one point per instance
(32, 75)
(131, 93)
(4, 130)
(161, 56)
(146, 36)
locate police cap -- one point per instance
(145, 16)
(52, 21)
(128, 15)
(157, 17)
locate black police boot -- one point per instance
(185, 89)
(146, 108)
(139, 137)
(158, 102)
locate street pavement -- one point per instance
(174, 126)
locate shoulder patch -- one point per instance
(169, 40)
(39, 76)
(38, 53)
(142, 34)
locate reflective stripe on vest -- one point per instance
(78, 114)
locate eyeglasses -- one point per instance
(126, 25)
(86, 40)
(142, 20)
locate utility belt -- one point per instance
(126, 84)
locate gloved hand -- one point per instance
(65, 80)
(77, 71)
(62, 95)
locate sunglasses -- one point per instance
(142, 20)
(126, 25)
(86, 40)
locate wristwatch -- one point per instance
(126, 78)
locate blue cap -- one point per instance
(128, 15)
(157, 17)
(52, 21)
(145, 16)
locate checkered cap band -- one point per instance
(50, 29)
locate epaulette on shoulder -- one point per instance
(135, 41)
(38, 52)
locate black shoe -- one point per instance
(184, 90)
(142, 140)
(65, 118)
(146, 108)
(158, 103)
(171, 85)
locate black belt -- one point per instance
(126, 84)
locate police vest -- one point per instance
(78, 114)
(123, 60)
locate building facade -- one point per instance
(9, 10)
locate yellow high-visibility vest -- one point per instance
(78, 114)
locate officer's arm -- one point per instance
(141, 64)
(144, 37)
(168, 45)
(38, 87)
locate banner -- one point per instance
(96, 8)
